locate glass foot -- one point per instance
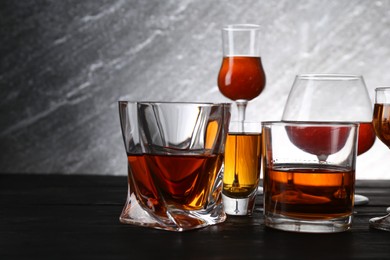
(382, 223)
(361, 200)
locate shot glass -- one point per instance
(242, 164)
(309, 175)
(175, 155)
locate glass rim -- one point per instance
(246, 127)
(329, 76)
(245, 121)
(382, 88)
(241, 27)
(311, 123)
(176, 102)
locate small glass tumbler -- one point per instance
(175, 156)
(309, 175)
(242, 164)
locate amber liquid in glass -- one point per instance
(241, 77)
(242, 164)
(381, 122)
(316, 140)
(309, 193)
(182, 181)
(366, 137)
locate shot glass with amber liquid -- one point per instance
(242, 165)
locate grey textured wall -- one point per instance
(65, 64)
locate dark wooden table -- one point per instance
(76, 217)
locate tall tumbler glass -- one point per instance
(175, 161)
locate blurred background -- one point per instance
(65, 64)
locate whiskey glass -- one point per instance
(301, 192)
(175, 156)
(333, 98)
(381, 122)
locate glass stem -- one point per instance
(241, 108)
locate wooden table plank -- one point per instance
(76, 217)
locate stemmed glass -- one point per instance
(333, 98)
(381, 122)
(241, 77)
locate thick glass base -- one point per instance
(173, 219)
(308, 226)
(238, 206)
(382, 223)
